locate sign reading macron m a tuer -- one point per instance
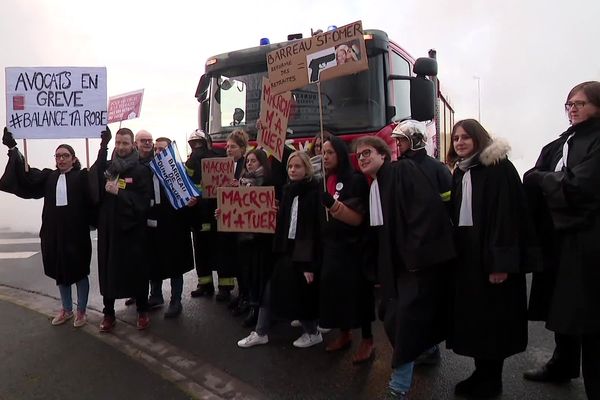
(56, 102)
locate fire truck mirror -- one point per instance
(202, 89)
(425, 66)
(422, 99)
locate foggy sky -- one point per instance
(528, 54)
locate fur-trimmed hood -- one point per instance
(497, 151)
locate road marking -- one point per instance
(14, 255)
(32, 240)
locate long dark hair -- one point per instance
(76, 163)
(481, 137)
(263, 160)
(344, 168)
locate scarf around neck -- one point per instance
(119, 165)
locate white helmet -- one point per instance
(412, 130)
(198, 134)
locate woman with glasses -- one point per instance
(493, 238)
(564, 188)
(66, 216)
(414, 246)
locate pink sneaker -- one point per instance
(80, 319)
(62, 317)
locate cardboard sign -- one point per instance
(125, 106)
(246, 209)
(216, 172)
(55, 102)
(274, 114)
(324, 56)
(170, 172)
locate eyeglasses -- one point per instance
(364, 154)
(62, 156)
(575, 104)
(145, 141)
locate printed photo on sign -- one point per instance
(55, 102)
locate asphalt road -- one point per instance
(196, 355)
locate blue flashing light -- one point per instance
(331, 28)
(264, 41)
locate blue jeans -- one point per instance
(401, 379)
(83, 289)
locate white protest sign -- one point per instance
(171, 173)
(55, 102)
(125, 106)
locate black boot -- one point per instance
(485, 382)
(223, 295)
(203, 290)
(252, 318)
(174, 309)
(242, 307)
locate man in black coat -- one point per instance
(125, 188)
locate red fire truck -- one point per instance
(395, 87)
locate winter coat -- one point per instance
(573, 199)
(65, 231)
(346, 295)
(414, 246)
(291, 296)
(488, 320)
(122, 262)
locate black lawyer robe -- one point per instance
(65, 232)
(122, 268)
(414, 248)
(169, 240)
(489, 321)
(346, 295)
(573, 198)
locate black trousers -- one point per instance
(567, 355)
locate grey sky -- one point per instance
(528, 54)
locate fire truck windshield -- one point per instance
(351, 104)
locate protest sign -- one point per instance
(246, 209)
(125, 106)
(274, 114)
(170, 172)
(55, 102)
(216, 172)
(321, 57)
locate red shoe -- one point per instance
(108, 323)
(143, 321)
(366, 350)
(342, 342)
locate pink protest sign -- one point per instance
(125, 106)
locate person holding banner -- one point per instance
(292, 292)
(204, 226)
(256, 248)
(125, 190)
(414, 246)
(346, 295)
(168, 229)
(228, 267)
(66, 219)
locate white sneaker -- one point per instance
(307, 340)
(323, 330)
(296, 323)
(253, 339)
(62, 317)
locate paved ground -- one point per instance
(196, 355)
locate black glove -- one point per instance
(105, 137)
(327, 200)
(7, 139)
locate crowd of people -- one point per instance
(447, 245)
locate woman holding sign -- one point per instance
(255, 248)
(66, 216)
(292, 292)
(346, 295)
